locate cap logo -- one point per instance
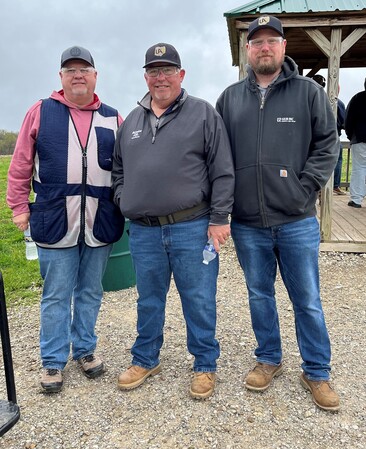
(263, 20)
(160, 51)
(75, 51)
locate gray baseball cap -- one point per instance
(77, 53)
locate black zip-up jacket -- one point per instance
(284, 146)
(355, 123)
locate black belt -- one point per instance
(175, 217)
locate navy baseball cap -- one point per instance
(265, 22)
(77, 53)
(164, 53)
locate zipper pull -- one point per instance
(264, 97)
(155, 130)
(84, 158)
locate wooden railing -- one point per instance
(346, 145)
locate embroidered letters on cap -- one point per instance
(263, 20)
(160, 51)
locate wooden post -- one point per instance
(333, 51)
(326, 208)
(242, 54)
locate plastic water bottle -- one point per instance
(31, 252)
(209, 252)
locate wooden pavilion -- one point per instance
(320, 35)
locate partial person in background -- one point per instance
(283, 155)
(64, 149)
(341, 113)
(355, 126)
(173, 177)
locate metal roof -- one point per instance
(296, 6)
(299, 15)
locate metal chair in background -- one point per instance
(9, 410)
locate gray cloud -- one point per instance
(34, 34)
(117, 32)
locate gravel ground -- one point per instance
(94, 414)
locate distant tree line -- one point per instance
(7, 142)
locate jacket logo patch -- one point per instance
(136, 134)
(286, 120)
(283, 173)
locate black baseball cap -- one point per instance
(319, 79)
(77, 53)
(164, 53)
(265, 22)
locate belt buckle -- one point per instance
(167, 219)
(153, 221)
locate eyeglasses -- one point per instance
(271, 42)
(84, 71)
(167, 71)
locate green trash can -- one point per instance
(119, 273)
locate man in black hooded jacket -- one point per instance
(285, 146)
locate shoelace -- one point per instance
(52, 371)
(88, 358)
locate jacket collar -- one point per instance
(177, 103)
(289, 70)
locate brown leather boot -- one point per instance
(135, 376)
(260, 377)
(202, 385)
(323, 394)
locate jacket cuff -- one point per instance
(21, 209)
(219, 219)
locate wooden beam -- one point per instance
(242, 54)
(315, 69)
(333, 67)
(350, 40)
(320, 40)
(310, 22)
(326, 212)
(343, 247)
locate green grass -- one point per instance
(344, 166)
(22, 279)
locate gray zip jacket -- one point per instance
(172, 163)
(285, 146)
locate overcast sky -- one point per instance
(34, 33)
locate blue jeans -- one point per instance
(157, 252)
(358, 175)
(294, 247)
(71, 299)
(338, 169)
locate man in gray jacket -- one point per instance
(285, 146)
(174, 179)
